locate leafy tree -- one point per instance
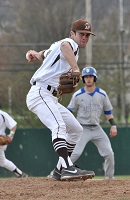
(35, 25)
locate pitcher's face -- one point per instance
(80, 38)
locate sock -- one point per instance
(18, 172)
(70, 148)
(60, 147)
(59, 166)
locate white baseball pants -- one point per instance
(53, 115)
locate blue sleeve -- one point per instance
(108, 112)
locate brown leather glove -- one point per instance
(67, 82)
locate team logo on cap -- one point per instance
(87, 26)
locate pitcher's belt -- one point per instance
(54, 92)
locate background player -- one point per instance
(6, 121)
(60, 58)
(89, 102)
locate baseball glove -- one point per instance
(4, 140)
(67, 82)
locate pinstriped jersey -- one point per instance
(54, 64)
(89, 106)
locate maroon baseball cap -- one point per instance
(82, 26)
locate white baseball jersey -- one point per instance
(44, 104)
(89, 106)
(54, 64)
(6, 121)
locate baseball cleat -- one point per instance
(23, 175)
(73, 173)
(55, 174)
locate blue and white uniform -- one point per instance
(89, 107)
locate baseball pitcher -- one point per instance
(61, 58)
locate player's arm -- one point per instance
(68, 53)
(113, 129)
(73, 104)
(12, 132)
(33, 55)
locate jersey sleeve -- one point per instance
(73, 105)
(107, 106)
(9, 121)
(72, 43)
(1, 120)
(48, 51)
(74, 48)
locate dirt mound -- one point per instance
(47, 189)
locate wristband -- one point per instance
(11, 134)
(112, 122)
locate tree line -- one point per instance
(35, 25)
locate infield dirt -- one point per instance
(47, 189)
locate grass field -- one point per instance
(96, 177)
(116, 177)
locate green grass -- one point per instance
(116, 177)
(96, 177)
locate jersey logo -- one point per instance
(87, 70)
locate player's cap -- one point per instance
(82, 26)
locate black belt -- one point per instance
(89, 125)
(54, 91)
(49, 88)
